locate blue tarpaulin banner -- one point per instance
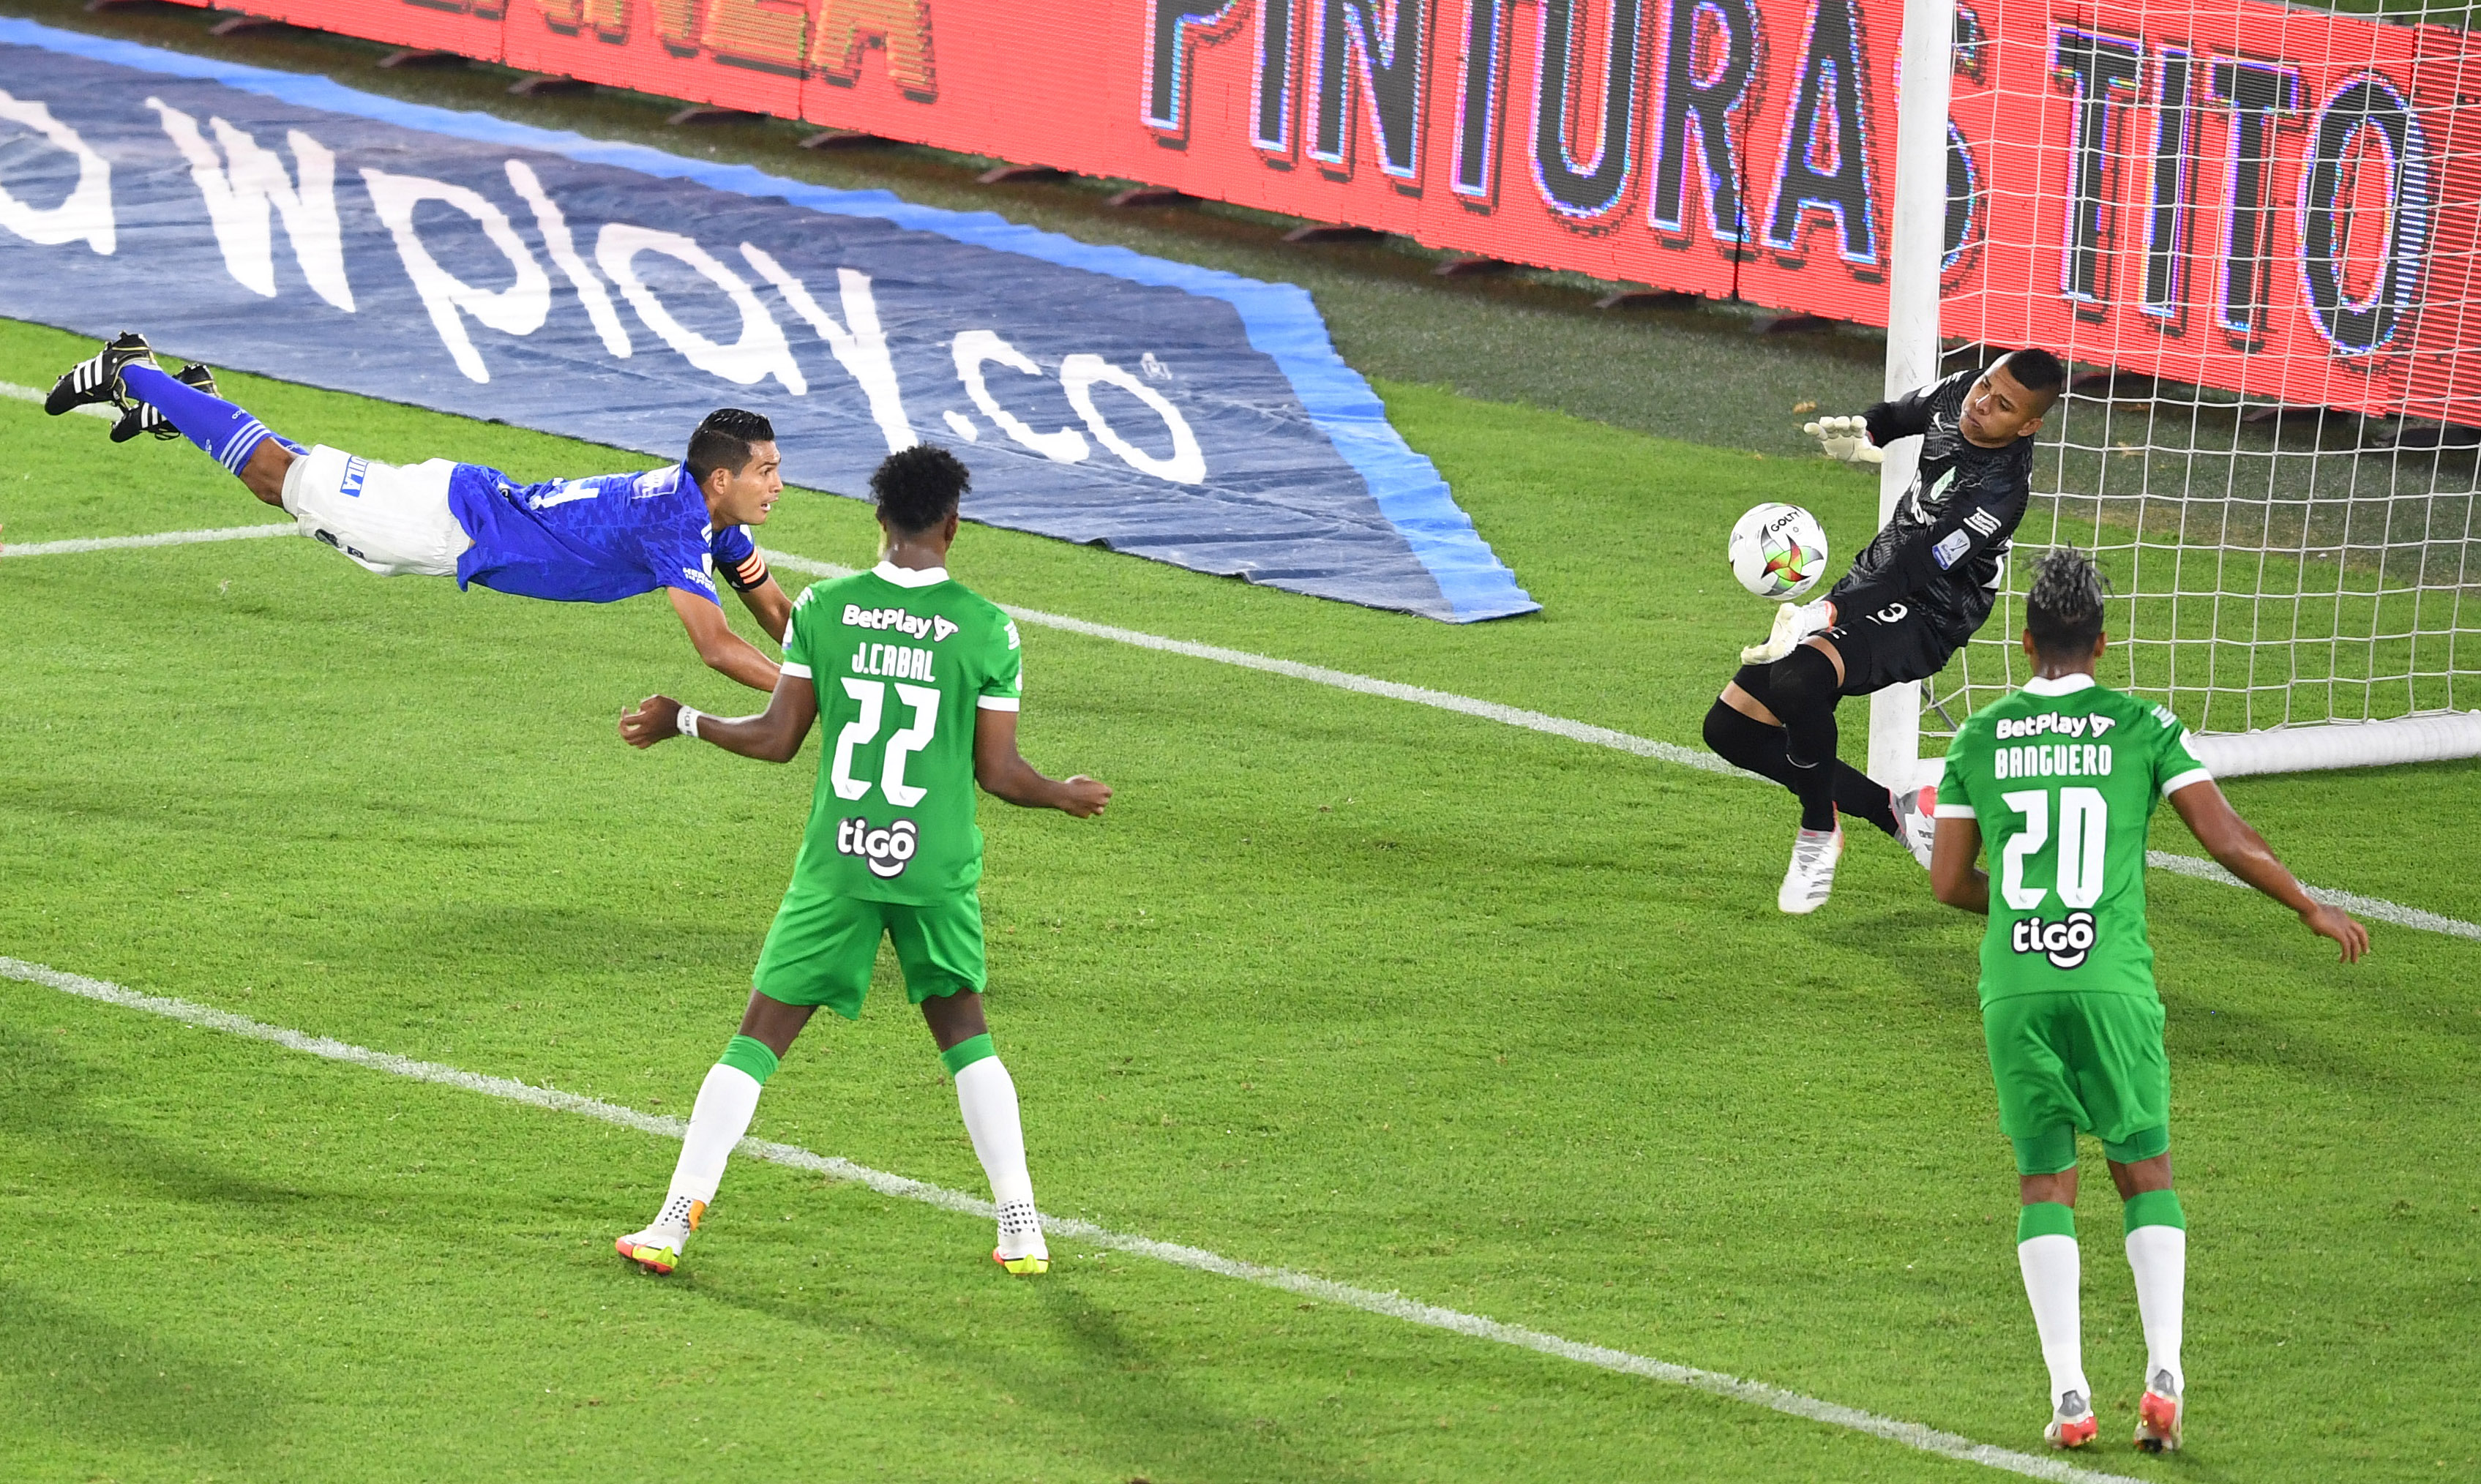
(287, 225)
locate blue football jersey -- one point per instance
(591, 540)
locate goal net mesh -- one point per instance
(2261, 225)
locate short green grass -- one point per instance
(1406, 998)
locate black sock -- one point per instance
(1863, 797)
(1804, 695)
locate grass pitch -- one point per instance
(1404, 999)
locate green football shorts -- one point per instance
(822, 947)
(2070, 1063)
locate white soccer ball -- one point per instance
(1778, 550)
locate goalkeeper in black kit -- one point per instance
(1910, 600)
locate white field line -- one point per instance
(102, 409)
(2373, 907)
(1602, 736)
(1341, 679)
(2350, 902)
(1393, 1306)
(114, 544)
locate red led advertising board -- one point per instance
(2270, 200)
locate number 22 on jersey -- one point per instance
(863, 730)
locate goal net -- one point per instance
(2255, 234)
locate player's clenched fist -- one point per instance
(657, 718)
(1845, 438)
(1084, 798)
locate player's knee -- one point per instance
(1729, 735)
(1804, 683)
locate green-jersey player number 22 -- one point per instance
(2084, 830)
(886, 857)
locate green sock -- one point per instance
(965, 1052)
(749, 1054)
(2045, 1218)
(2155, 1207)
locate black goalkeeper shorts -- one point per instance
(1894, 644)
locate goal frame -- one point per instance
(1916, 241)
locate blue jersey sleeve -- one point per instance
(736, 557)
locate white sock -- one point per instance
(726, 1104)
(2051, 1272)
(2158, 1255)
(987, 1097)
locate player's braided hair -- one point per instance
(722, 442)
(919, 487)
(2064, 610)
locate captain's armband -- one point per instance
(749, 574)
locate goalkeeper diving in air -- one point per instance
(1912, 598)
(588, 540)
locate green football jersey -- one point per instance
(902, 660)
(2064, 777)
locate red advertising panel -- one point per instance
(2270, 200)
(470, 28)
(747, 54)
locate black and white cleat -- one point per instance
(139, 417)
(97, 377)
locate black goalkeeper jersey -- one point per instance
(1943, 552)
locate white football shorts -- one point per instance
(392, 519)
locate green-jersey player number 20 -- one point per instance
(2084, 831)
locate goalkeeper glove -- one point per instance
(1845, 438)
(1794, 622)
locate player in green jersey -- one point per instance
(917, 681)
(2061, 779)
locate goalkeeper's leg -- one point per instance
(1743, 729)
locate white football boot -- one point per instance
(1811, 874)
(658, 1248)
(1917, 820)
(1020, 1249)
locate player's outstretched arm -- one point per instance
(773, 736)
(724, 652)
(2243, 852)
(1953, 876)
(768, 605)
(1004, 774)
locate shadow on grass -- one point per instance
(103, 1385)
(1119, 1395)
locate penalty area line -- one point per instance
(1388, 1304)
(2376, 908)
(2373, 907)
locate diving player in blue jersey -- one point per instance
(590, 540)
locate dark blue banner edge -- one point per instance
(1282, 321)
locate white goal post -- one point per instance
(2302, 583)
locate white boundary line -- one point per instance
(1341, 679)
(11, 389)
(1393, 1306)
(114, 544)
(2374, 907)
